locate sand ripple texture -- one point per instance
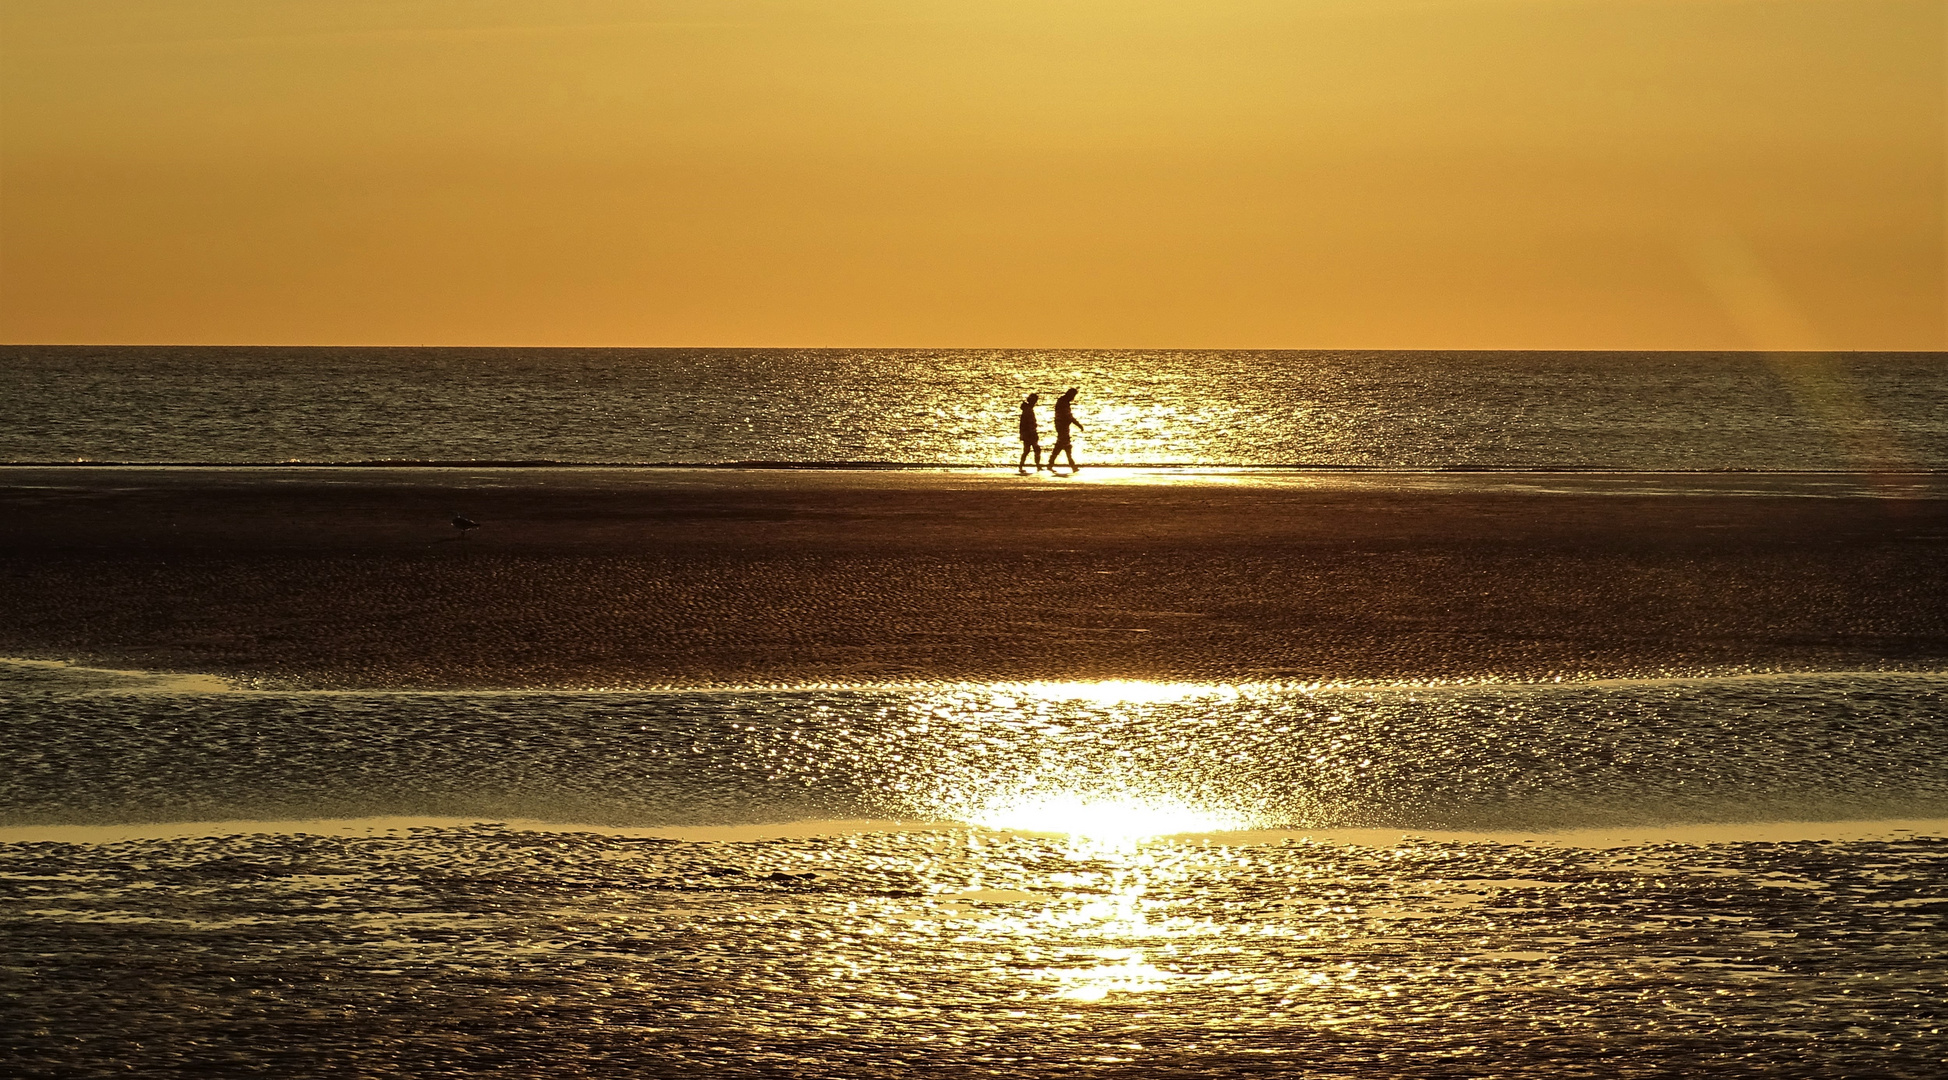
(488, 951)
(83, 748)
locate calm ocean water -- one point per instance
(1498, 756)
(1418, 410)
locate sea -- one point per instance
(1695, 874)
(958, 408)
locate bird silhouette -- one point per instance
(463, 523)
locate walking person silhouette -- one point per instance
(1064, 419)
(1030, 437)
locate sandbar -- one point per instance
(349, 578)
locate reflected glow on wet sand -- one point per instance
(1060, 879)
(864, 950)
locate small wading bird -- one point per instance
(464, 523)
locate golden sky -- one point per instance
(1123, 173)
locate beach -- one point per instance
(907, 771)
(353, 578)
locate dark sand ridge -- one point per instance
(617, 577)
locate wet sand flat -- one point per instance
(477, 950)
(616, 577)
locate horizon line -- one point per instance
(1940, 351)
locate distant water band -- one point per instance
(889, 408)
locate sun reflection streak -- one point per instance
(1116, 821)
(1093, 936)
(1119, 691)
(1091, 781)
(1133, 974)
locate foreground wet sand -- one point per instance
(610, 577)
(478, 950)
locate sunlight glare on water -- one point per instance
(1089, 803)
(1127, 973)
(1102, 819)
(960, 407)
(1121, 691)
(1099, 759)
